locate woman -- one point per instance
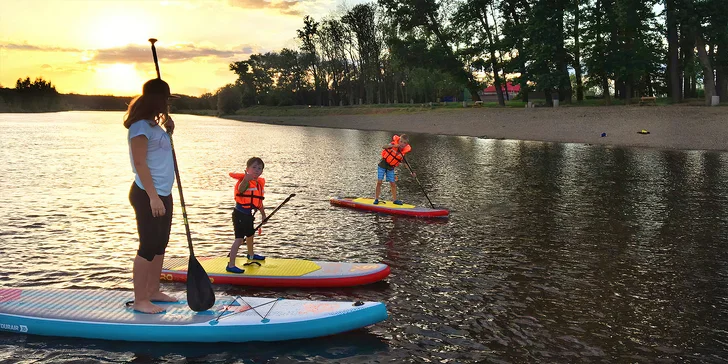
(150, 151)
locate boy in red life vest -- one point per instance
(392, 155)
(248, 199)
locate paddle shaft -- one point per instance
(274, 211)
(154, 53)
(182, 200)
(200, 295)
(174, 159)
(418, 180)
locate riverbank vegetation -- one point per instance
(421, 51)
(430, 53)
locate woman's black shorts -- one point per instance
(153, 231)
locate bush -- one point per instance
(229, 100)
(270, 100)
(286, 101)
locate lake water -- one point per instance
(553, 252)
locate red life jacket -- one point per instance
(252, 197)
(394, 156)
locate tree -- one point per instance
(516, 18)
(673, 66)
(308, 35)
(422, 18)
(576, 50)
(229, 100)
(291, 78)
(708, 76)
(333, 58)
(472, 16)
(599, 45)
(39, 95)
(361, 21)
(39, 86)
(209, 101)
(706, 25)
(546, 47)
(245, 82)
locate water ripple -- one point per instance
(553, 252)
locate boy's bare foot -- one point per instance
(147, 307)
(161, 297)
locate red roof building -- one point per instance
(512, 89)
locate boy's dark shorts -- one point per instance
(243, 224)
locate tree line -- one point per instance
(405, 51)
(40, 95)
(397, 51)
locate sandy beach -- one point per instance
(670, 127)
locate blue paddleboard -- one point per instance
(102, 314)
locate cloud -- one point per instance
(30, 47)
(179, 53)
(134, 53)
(285, 7)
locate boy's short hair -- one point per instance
(255, 160)
(404, 138)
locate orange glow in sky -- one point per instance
(101, 47)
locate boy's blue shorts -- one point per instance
(381, 172)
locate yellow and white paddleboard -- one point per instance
(274, 272)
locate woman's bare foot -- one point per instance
(147, 307)
(161, 297)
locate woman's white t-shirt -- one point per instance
(159, 156)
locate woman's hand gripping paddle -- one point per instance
(200, 296)
(418, 181)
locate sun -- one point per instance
(120, 78)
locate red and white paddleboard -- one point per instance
(388, 207)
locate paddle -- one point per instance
(274, 211)
(200, 296)
(271, 214)
(418, 180)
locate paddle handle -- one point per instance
(154, 53)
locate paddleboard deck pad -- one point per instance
(388, 207)
(102, 314)
(273, 272)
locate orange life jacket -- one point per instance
(252, 197)
(394, 156)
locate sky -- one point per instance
(101, 47)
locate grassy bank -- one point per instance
(204, 112)
(303, 110)
(110, 103)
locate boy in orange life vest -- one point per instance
(392, 155)
(248, 199)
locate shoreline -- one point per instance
(677, 127)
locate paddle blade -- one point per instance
(200, 296)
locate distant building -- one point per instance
(509, 91)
